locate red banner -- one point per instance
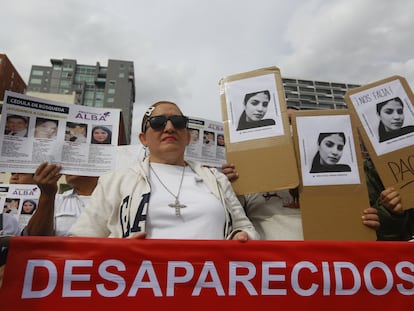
(70, 273)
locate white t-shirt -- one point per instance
(271, 216)
(68, 207)
(10, 225)
(203, 216)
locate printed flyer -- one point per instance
(207, 144)
(33, 130)
(20, 201)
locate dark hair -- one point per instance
(382, 104)
(149, 111)
(324, 135)
(16, 116)
(32, 202)
(250, 95)
(103, 128)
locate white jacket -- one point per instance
(118, 205)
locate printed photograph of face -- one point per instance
(255, 108)
(46, 128)
(220, 140)
(391, 119)
(101, 135)
(28, 207)
(208, 138)
(195, 135)
(330, 149)
(76, 132)
(11, 206)
(16, 125)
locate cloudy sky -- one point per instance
(182, 48)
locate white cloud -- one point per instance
(182, 48)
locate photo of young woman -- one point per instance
(101, 135)
(391, 115)
(330, 149)
(255, 108)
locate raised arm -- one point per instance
(42, 221)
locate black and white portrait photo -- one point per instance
(253, 108)
(391, 119)
(327, 150)
(330, 150)
(387, 116)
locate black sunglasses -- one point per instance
(158, 123)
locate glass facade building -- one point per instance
(111, 86)
(310, 94)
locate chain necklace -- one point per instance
(176, 204)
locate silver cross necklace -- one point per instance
(176, 204)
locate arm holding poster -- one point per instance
(397, 224)
(384, 114)
(276, 215)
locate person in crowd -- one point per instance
(329, 153)
(255, 108)
(165, 196)
(101, 135)
(21, 178)
(9, 225)
(28, 207)
(56, 212)
(76, 132)
(45, 128)
(397, 224)
(16, 125)
(391, 115)
(276, 215)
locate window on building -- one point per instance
(121, 75)
(111, 91)
(65, 83)
(110, 100)
(37, 72)
(35, 81)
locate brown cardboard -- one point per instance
(396, 167)
(264, 164)
(331, 211)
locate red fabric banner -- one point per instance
(68, 273)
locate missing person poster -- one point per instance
(257, 131)
(19, 201)
(333, 191)
(207, 144)
(384, 115)
(34, 130)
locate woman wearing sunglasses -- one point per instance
(165, 196)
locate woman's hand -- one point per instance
(139, 235)
(370, 218)
(229, 170)
(46, 177)
(241, 236)
(391, 200)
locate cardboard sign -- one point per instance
(384, 115)
(257, 131)
(49, 273)
(333, 191)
